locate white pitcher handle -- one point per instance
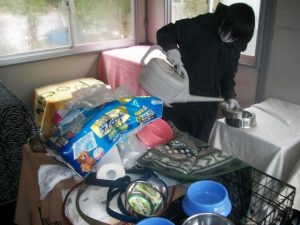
(184, 74)
(151, 49)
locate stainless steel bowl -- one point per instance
(240, 118)
(142, 198)
(207, 219)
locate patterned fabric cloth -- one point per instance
(16, 126)
(187, 158)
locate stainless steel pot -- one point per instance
(207, 219)
(240, 118)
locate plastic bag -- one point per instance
(130, 150)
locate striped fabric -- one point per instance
(16, 126)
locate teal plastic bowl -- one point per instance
(206, 197)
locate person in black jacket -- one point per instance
(207, 48)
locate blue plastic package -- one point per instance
(84, 135)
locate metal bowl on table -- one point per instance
(207, 219)
(240, 118)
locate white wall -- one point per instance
(283, 74)
(156, 18)
(140, 28)
(22, 79)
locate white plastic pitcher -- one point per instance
(159, 78)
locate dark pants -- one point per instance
(196, 122)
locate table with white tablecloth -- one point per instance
(273, 146)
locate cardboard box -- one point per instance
(49, 99)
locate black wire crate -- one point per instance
(258, 198)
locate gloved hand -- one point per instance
(174, 57)
(230, 104)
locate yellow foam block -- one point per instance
(51, 98)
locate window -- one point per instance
(189, 8)
(35, 29)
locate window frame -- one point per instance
(248, 60)
(73, 49)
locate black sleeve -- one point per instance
(173, 35)
(166, 37)
(227, 82)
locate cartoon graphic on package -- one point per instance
(85, 161)
(83, 158)
(100, 129)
